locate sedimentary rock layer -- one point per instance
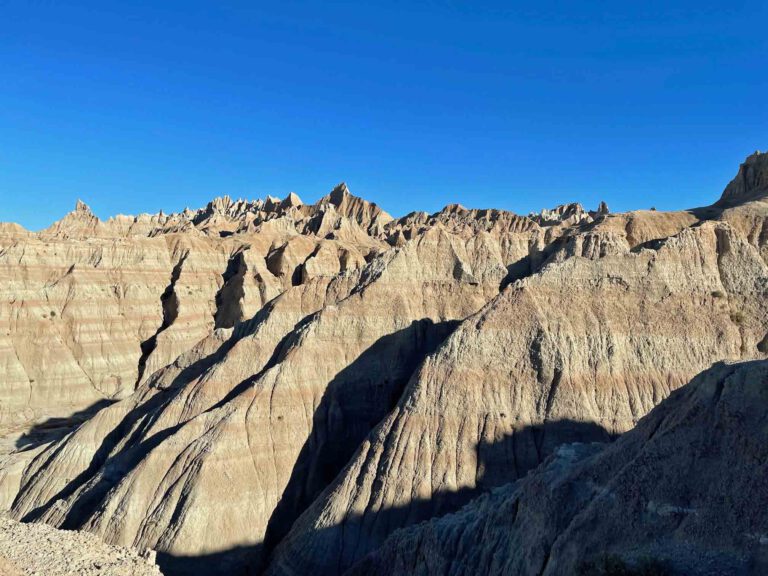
(579, 351)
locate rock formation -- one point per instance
(90, 308)
(578, 351)
(682, 493)
(290, 384)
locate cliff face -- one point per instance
(297, 382)
(750, 184)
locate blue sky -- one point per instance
(162, 105)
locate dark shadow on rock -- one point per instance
(169, 302)
(499, 462)
(531, 263)
(135, 424)
(239, 561)
(56, 428)
(516, 454)
(354, 402)
(229, 298)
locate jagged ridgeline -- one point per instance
(279, 387)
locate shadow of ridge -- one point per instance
(134, 424)
(344, 544)
(500, 462)
(57, 427)
(353, 403)
(372, 529)
(237, 561)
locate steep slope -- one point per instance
(750, 184)
(681, 494)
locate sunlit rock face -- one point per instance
(90, 308)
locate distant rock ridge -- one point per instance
(572, 213)
(222, 216)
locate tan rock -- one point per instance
(30, 549)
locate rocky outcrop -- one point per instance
(566, 213)
(367, 214)
(751, 183)
(92, 308)
(682, 493)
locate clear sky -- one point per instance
(141, 106)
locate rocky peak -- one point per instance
(292, 200)
(571, 213)
(79, 223)
(365, 213)
(751, 182)
(271, 203)
(82, 208)
(219, 205)
(339, 194)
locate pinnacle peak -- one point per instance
(81, 206)
(342, 186)
(339, 193)
(291, 200)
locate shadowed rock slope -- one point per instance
(683, 493)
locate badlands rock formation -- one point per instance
(290, 384)
(682, 493)
(89, 309)
(579, 351)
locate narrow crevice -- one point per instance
(169, 301)
(229, 298)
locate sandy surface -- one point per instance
(41, 550)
